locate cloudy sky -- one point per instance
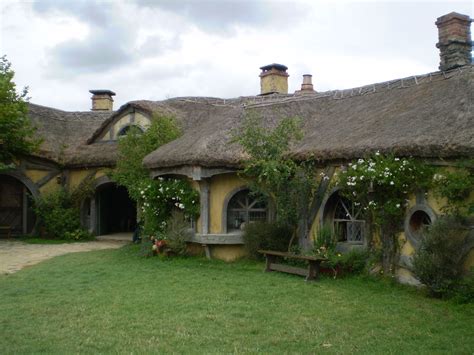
(156, 49)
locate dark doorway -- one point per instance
(15, 206)
(116, 212)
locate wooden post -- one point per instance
(313, 270)
(270, 259)
(204, 189)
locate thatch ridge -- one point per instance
(427, 116)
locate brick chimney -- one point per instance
(454, 32)
(274, 79)
(102, 100)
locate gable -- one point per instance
(131, 117)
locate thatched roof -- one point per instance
(426, 116)
(64, 133)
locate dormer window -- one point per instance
(124, 130)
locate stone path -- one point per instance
(15, 255)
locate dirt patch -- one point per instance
(15, 255)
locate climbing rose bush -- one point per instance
(160, 197)
(383, 183)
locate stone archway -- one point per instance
(16, 199)
(110, 210)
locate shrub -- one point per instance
(176, 233)
(464, 291)
(325, 238)
(60, 216)
(355, 261)
(270, 236)
(439, 263)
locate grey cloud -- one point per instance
(218, 16)
(155, 44)
(91, 55)
(88, 11)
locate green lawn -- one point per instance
(115, 301)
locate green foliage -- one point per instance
(326, 238)
(273, 173)
(464, 291)
(159, 198)
(156, 198)
(382, 184)
(355, 261)
(133, 147)
(456, 186)
(176, 233)
(438, 263)
(16, 132)
(269, 236)
(59, 215)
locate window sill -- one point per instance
(223, 239)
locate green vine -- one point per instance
(456, 186)
(382, 185)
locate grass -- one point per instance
(114, 301)
(37, 240)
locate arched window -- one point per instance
(243, 208)
(124, 130)
(346, 218)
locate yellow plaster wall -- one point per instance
(77, 176)
(220, 187)
(36, 175)
(142, 120)
(123, 121)
(228, 252)
(51, 186)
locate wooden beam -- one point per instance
(320, 193)
(47, 178)
(205, 208)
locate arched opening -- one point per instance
(116, 211)
(16, 210)
(346, 219)
(244, 207)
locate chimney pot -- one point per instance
(307, 83)
(274, 79)
(102, 100)
(454, 33)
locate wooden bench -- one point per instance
(311, 273)
(6, 230)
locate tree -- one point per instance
(133, 147)
(16, 131)
(156, 198)
(290, 184)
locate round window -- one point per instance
(418, 221)
(419, 217)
